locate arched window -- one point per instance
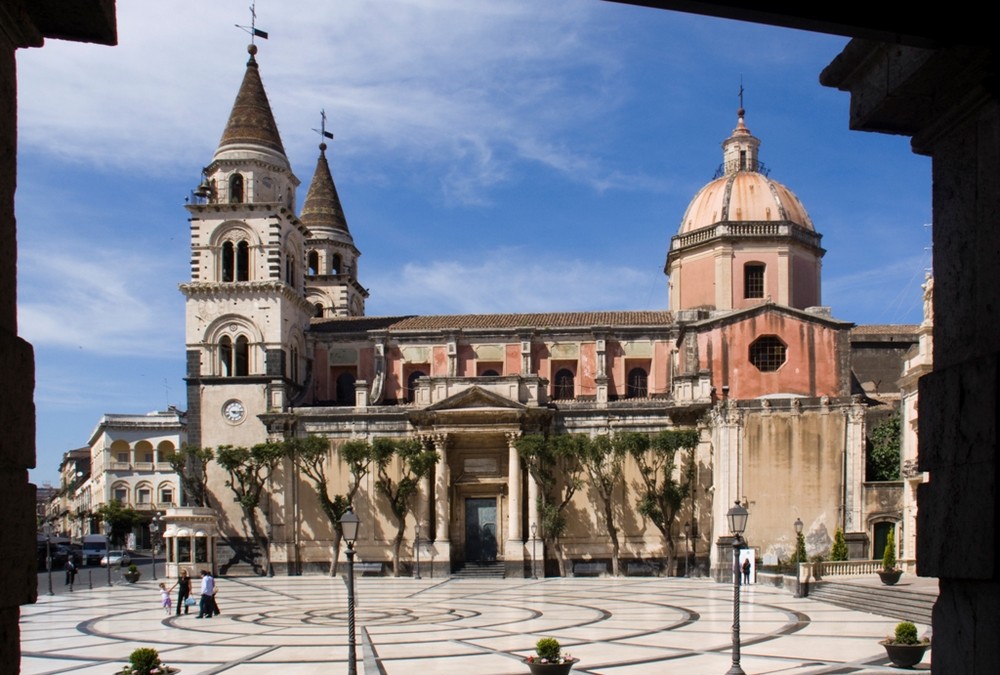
(242, 261)
(225, 356)
(563, 389)
(313, 263)
(241, 356)
(289, 269)
(753, 280)
(345, 389)
(228, 261)
(234, 358)
(489, 372)
(236, 189)
(318, 310)
(335, 264)
(411, 385)
(638, 383)
(293, 369)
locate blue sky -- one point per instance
(529, 155)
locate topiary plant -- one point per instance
(548, 649)
(906, 634)
(144, 661)
(889, 555)
(839, 550)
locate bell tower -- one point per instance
(246, 310)
(332, 286)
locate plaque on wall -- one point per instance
(481, 465)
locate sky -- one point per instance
(516, 156)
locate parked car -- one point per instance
(117, 558)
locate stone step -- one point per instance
(889, 601)
(494, 570)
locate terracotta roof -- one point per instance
(885, 329)
(623, 319)
(251, 121)
(322, 206)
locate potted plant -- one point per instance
(132, 574)
(146, 661)
(905, 649)
(549, 660)
(889, 574)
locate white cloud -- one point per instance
(511, 280)
(99, 300)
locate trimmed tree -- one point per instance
(839, 550)
(120, 519)
(800, 555)
(889, 554)
(190, 464)
(663, 487)
(603, 457)
(249, 469)
(311, 454)
(413, 462)
(548, 458)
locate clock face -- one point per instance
(234, 411)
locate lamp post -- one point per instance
(687, 538)
(534, 531)
(349, 524)
(798, 533)
(107, 548)
(737, 517)
(416, 546)
(154, 528)
(48, 553)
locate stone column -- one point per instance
(514, 546)
(441, 556)
(854, 468)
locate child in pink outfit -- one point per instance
(165, 599)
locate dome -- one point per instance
(744, 196)
(743, 193)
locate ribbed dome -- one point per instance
(744, 196)
(743, 193)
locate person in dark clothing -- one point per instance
(183, 586)
(70, 572)
(746, 571)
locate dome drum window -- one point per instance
(768, 353)
(753, 280)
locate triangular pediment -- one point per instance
(472, 398)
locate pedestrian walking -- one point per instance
(746, 571)
(70, 571)
(207, 607)
(165, 601)
(183, 586)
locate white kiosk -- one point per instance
(189, 540)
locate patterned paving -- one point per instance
(436, 627)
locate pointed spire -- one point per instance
(251, 122)
(740, 150)
(322, 209)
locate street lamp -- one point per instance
(349, 524)
(534, 531)
(687, 539)
(737, 516)
(416, 546)
(107, 548)
(154, 528)
(48, 553)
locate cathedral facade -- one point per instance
(279, 346)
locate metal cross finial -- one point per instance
(252, 28)
(323, 133)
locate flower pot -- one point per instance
(131, 577)
(905, 656)
(538, 668)
(889, 577)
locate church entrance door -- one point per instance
(480, 530)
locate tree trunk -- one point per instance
(560, 558)
(613, 533)
(397, 543)
(335, 549)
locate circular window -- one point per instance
(768, 353)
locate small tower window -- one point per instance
(638, 383)
(768, 353)
(313, 263)
(225, 356)
(236, 189)
(743, 160)
(318, 310)
(335, 264)
(564, 389)
(242, 261)
(753, 280)
(241, 356)
(228, 261)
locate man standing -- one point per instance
(207, 604)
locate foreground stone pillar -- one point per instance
(441, 553)
(513, 552)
